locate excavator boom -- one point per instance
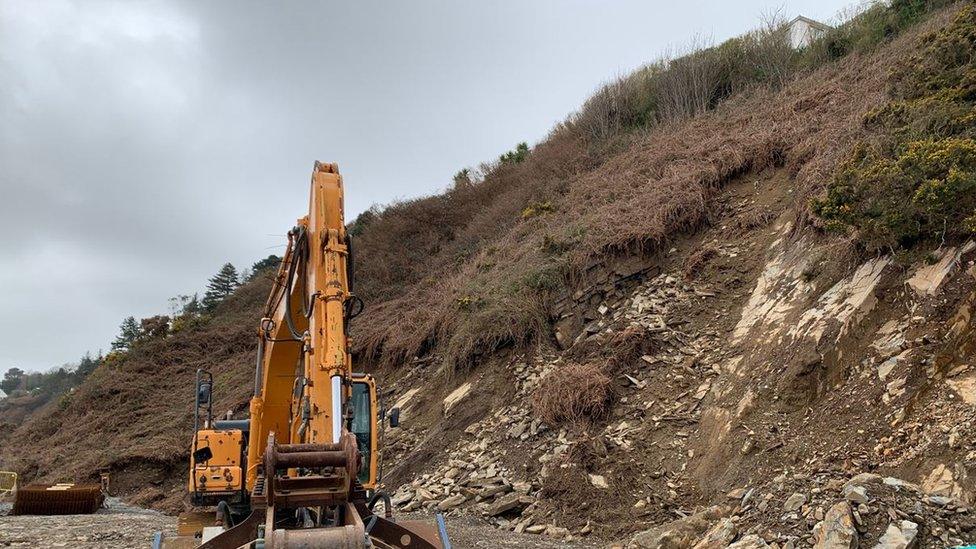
(302, 470)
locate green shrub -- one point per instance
(548, 278)
(916, 181)
(925, 191)
(875, 25)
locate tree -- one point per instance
(463, 179)
(87, 364)
(220, 286)
(129, 332)
(184, 305)
(12, 380)
(520, 153)
(270, 262)
(364, 220)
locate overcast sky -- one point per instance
(143, 144)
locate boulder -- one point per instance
(679, 534)
(794, 502)
(856, 494)
(900, 535)
(864, 479)
(512, 502)
(836, 530)
(752, 541)
(720, 535)
(452, 502)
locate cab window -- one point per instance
(361, 424)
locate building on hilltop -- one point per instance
(803, 31)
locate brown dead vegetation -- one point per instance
(574, 394)
(484, 276)
(697, 261)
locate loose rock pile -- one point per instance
(867, 510)
(474, 480)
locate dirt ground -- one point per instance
(121, 526)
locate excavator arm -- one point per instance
(304, 367)
(302, 470)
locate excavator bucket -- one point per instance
(58, 499)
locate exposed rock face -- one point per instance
(456, 396)
(927, 280)
(778, 380)
(942, 482)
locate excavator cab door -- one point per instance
(364, 426)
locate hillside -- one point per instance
(745, 314)
(132, 416)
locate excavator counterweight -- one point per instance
(303, 469)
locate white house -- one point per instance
(3, 394)
(803, 31)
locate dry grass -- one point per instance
(573, 394)
(697, 261)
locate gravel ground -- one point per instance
(120, 526)
(474, 533)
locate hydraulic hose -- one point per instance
(300, 240)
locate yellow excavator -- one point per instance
(302, 470)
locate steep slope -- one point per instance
(776, 382)
(606, 334)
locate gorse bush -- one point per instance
(915, 180)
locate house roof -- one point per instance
(811, 22)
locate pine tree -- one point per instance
(87, 365)
(220, 286)
(129, 332)
(270, 262)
